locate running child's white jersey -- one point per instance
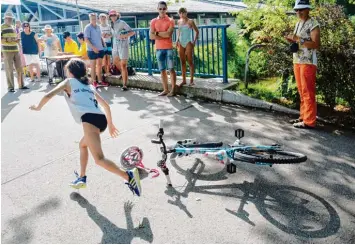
(81, 100)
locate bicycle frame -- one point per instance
(224, 155)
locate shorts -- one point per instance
(31, 59)
(98, 120)
(108, 49)
(121, 49)
(94, 56)
(165, 59)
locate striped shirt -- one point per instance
(8, 31)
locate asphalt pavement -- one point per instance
(312, 202)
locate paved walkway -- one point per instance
(306, 203)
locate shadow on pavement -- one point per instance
(21, 225)
(111, 233)
(291, 209)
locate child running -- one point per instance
(83, 102)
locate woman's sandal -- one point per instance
(302, 125)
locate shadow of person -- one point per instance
(8, 102)
(21, 225)
(111, 233)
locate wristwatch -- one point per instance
(156, 33)
(302, 41)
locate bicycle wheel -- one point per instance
(269, 156)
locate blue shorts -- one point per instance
(94, 56)
(108, 49)
(165, 59)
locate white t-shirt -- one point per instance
(106, 30)
(82, 100)
(51, 48)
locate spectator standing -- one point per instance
(95, 46)
(51, 48)
(30, 50)
(186, 44)
(107, 37)
(11, 53)
(161, 30)
(307, 37)
(121, 33)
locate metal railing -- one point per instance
(210, 52)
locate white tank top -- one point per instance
(81, 100)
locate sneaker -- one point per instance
(80, 182)
(134, 182)
(124, 88)
(24, 87)
(11, 90)
(95, 84)
(104, 84)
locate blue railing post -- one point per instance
(149, 56)
(224, 54)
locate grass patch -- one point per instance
(267, 89)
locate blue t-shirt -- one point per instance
(93, 33)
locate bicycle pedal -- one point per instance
(231, 168)
(239, 133)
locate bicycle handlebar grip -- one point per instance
(156, 141)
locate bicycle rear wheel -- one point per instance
(270, 156)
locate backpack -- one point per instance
(131, 71)
(114, 70)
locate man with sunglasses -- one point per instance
(30, 45)
(161, 30)
(307, 36)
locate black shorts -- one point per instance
(94, 56)
(98, 120)
(108, 49)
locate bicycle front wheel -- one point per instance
(270, 157)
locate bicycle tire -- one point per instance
(288, 157)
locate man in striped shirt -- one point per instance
(11, 54)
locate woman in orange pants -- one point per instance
(307, 36)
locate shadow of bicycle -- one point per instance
(291, 209)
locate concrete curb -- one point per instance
(210, 89)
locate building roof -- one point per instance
(150, 6)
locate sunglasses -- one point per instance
(162, 9)
(299, 10)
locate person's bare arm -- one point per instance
(152, 35)
(168, 33)
(112, 129)
(314, 43)
(59, 46)
(61, 87)
(38, 41)
(196, 31)
(129, 34)
(90, 45)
